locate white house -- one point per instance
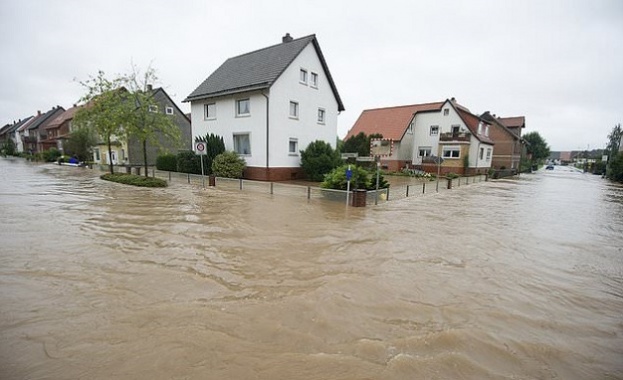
(268, 105)
(452, 133)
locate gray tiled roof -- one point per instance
(257, 70)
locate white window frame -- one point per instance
(303, 75)
(237, 148)
(435, 128)
(294, 110)
(410, 129)
(456, 127)
(448, 152)
(322, 115)
(168, 110)
(238, 103)
(489, 150)
(153, 108)
(313, 79)
(206, 111)
(427, 150)
(293, 142)
(446, 111)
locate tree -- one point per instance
(537, 148)
(614, 168)
(214, 146)
(359, 144)
(80, 143)
(147, 122)
(106, 109)
(318, 159)
(8, 147)
(228, 165)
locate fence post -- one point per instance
(407, 191)
(423, 187)
(308, 192)
(271, 188)
(169, 176)
(240, 183)
(387, 193)
(188, 177)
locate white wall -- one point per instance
(306, 128)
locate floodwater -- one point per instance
(508, 279)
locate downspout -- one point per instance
(267, 132)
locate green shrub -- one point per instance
(51, 155)
(452, 175)
(134, 180)
(318, 159)
(360, 179)
(188, 162)
(228, 165)
(615, 168)
(167, 162)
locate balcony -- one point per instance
(458, 136)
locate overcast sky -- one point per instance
(559, 63)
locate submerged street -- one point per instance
(518, 278)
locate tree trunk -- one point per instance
(145, 157)
(110, 163)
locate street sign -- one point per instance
(349, 173)
(201, 148)
(349, 155)
(365, 159)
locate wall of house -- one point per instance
(475, 163)
(423, 122)
(507, 149)
(305, 129)
(226, 124)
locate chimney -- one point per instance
(453, 100)
(150, 87)
(38, 112)
(75, 105)
(286, 38)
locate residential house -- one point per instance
(8, 132)
(396, 125)
(268, 105)
(129, 151)
(454, 134)
(419, 132)
(509, 146)
(58, 130)
(35, 137)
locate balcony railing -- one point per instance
(457, 136)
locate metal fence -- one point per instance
(316, 193)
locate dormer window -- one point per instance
(303, 76)
(486, 130)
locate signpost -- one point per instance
(349, 175)
(438, 160)
(201, 150)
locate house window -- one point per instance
(455, 129)
(294, 110)
(482, 153)
(242, 144)
(424, 151)
(153, 108)
(293, 147)
(314, 80)
(410, 129)
(321, 115)
(210, 111)
(486, 130)
(168, 110)
(451, 152)
(488, 154)
(446, 112)
(303, 76)
(97, 154)
(434, 130)
(243, 107)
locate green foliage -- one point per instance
(51, 155)
(214, 146)
(228, 165)
(135, 180)
(615, 168)
(537, 148)
(79, 143)
(452, 175)
(361, 179)
(318, 159)
(359, 144)
(8, 148)
(188, 162)
(614, 141)
(167, 162)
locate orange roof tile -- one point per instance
(472, 121)
(391, 122)
(513, 122)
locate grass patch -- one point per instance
(134, 180)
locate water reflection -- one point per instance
(511, 278)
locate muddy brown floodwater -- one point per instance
(517, 279)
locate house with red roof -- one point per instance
(58, 130)
(509, 146)
(419, 132)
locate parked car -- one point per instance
(549, 167)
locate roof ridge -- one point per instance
(403, 106)
(311, 36)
